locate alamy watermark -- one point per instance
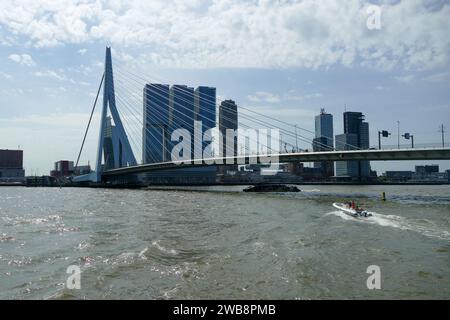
(74, 280)
(373, 21)
(374, 280)
(230, 146)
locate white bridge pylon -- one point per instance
(122, 152)
(119, 152)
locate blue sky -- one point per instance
(285, 59)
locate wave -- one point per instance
(423, 226)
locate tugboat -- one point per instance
(352, 209)
(271, 188)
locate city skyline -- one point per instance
(49, 79)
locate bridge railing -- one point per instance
(409, 146)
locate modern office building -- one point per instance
(167, 109)
(323, 141)
(156, 123)
(11, 164)
(205, 107)
(356, 136)
(349, 169)
(205, 110)
(182, 107)
(228, 119)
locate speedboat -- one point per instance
(354, 212)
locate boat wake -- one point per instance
(423, 226)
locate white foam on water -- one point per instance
(163, 249)
(141, 254)
(312, 190)
(398, 222)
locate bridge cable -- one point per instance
(252, 119)
(280, 121)
(90, 119)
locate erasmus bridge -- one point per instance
(122, 103)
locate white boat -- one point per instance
(347, 209)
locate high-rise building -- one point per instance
(182, 107)
(346, 141)
(356, 136)
(156, 134)
(11, 164)
(63, 168)
(324, 141)
(167, 109)
(228, 119)
(205, 107)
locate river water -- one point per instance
(223, 243)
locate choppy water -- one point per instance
(192, 245)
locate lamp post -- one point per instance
(398, 134)
(384, 134)
(409, 136)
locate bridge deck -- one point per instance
(371, 155)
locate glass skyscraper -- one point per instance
(170, 108)
(156, 123)
(356, 136)
(324, 141)
(205, 108)
(182, 112)
(228, 119)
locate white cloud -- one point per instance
(234, 33)
(262, 96)
(6, 75)
(405, 79)
(82, 51)
(23, 59)
(438, 77)
(292, 95)
(50, 74)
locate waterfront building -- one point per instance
(11, 164)
(166, 109)
(181, 102)
(323, 141)
(347, 169)
(228, 119)
(356, 136)
(62, 168)
(205, 107)
(156, 123)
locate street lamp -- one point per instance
(398, 133)
(409, 136)
(384, 134)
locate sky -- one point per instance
(286, 59)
